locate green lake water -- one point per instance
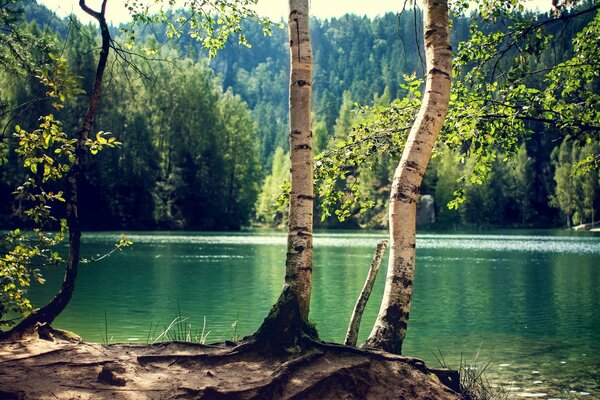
(528, 303)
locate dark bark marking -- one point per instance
(430, 32)
(395, 315)
(412, 165)
(298, 35)
(437, 71)
(302, 83)
(400, 196)
(305, 197)
(303, 147)
(406, 283)
(290, 277)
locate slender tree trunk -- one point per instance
(289, 316)
(299, 253)
(390, 327)
(50, 311)
(365, 293)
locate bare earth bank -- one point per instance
(58, 368)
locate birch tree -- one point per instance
(390, 327)
(288, 318)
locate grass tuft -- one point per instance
(473, 383)
(105, 339)
(181, 331)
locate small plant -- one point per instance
(179, 330)
(105, 339)
(236, 337)
(473, 382)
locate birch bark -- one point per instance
(299, 254)
(390, 327)
(288, 319)
(365, 293)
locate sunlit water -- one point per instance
(529, 304)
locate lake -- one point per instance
(526, 302)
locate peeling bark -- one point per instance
(390, 327)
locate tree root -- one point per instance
(185, 358)
(305, 342)
(112, 389)
(76, 364)
(357, 382)
(448, 377)
(216, 346)
(316, 370)
(17, 359)
(43, 330)
(270, 389)
(413, 361)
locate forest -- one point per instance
(181, 116)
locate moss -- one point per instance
(284, 330)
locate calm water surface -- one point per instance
(527, 303)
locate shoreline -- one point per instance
(59, 367)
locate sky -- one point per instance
(274, 9)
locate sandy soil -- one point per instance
(57, 368)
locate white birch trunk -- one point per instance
(287, 322)
(298, 274)
(390, 327)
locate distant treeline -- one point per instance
(204, 142)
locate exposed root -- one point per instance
(215, 346)
(109, 389)
(76, 364)
(272, 388)
(415, 362)
(187, 371)
(39, 330)
(448, 377)
(186, 358)
(12, 360)
(284, 331)
(347, 377)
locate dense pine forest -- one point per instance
(204, 141)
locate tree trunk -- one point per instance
(50, 311)
(390, 327)
(365, 293)
(289, 316)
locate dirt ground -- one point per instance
(58, 368)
